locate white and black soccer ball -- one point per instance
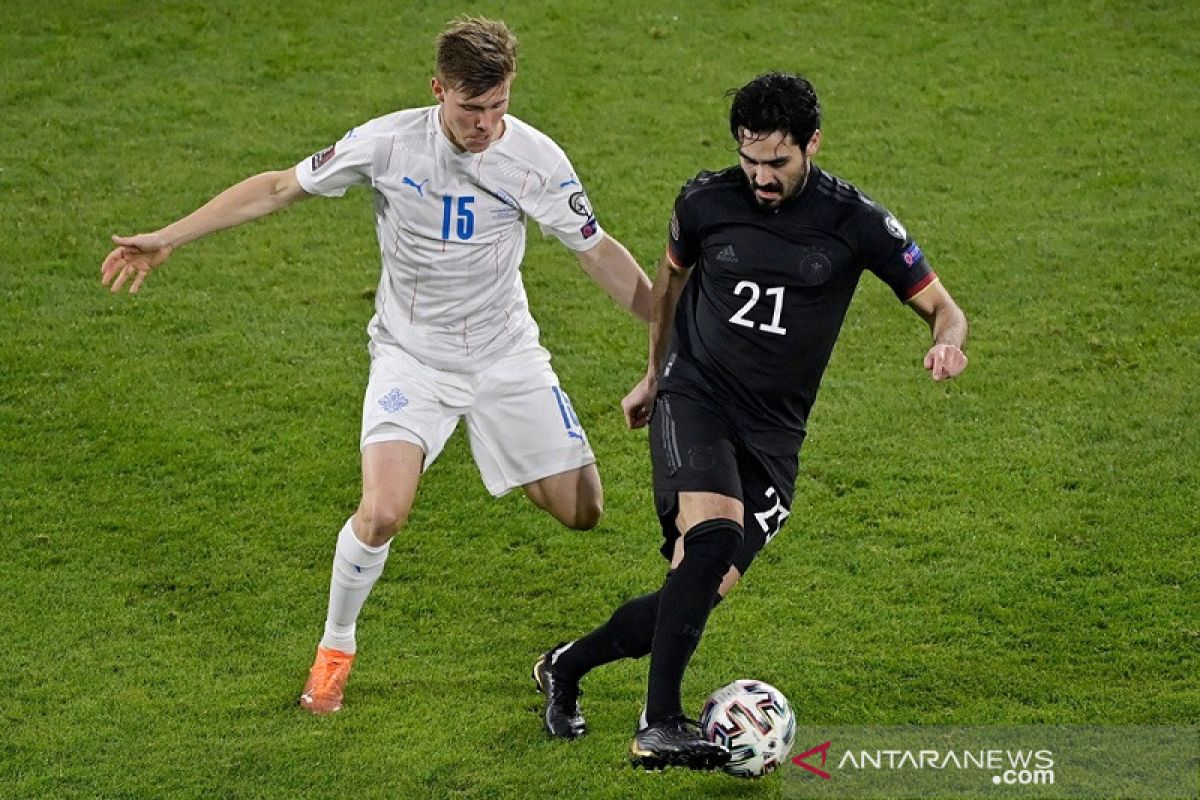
(754, 720)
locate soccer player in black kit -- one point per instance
(762, 262)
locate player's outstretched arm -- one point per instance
(135, 257)
(945, 359)
(609, 264)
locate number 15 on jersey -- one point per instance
(463, 222)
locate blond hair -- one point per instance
(475, 55)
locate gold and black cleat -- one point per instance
(676, 742)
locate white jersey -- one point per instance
(451, 229)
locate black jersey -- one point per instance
(758, 318)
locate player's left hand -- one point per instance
(945, 361)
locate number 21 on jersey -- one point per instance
(462, 222)
(755, 292)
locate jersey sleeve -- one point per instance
(683, 241)
(564, 211)
(895, 258)
(348, 162)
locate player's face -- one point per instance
(472, 123)
(775, 164)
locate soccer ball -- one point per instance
(753, 719)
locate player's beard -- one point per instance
(773, 188)
(777, 189)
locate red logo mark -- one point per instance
(320, 159)
(823, 749)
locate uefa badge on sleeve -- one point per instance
(895, 228)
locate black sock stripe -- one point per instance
(710, 526)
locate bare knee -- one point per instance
(391, 472)
(574, 498)
(587, 514)
(375, 523)
(579, 513)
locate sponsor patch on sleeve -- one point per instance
(589, 228)
(912, 254)
(895, 228)
(322, 158)
(674, 226)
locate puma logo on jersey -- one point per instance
(407, 181)
(727, 255)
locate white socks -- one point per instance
(356, 567)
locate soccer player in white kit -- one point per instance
(452, 336)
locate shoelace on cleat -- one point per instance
(327, 670)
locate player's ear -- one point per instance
(814, 144)
(439, 91)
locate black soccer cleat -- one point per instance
(676, 742)
(561, 717)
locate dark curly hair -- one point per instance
(776, 101)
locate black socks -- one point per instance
(684, 604)
(627, 634)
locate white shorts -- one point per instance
(519, 420)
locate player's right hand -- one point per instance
(133, 258)
(945, 361)
(638, 405)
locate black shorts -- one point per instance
(694, 449)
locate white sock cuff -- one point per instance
(350, 547)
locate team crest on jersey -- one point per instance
(507, 199)
(393, 401)
(509, 209)
(580, 205)
(895, 228)
(322, 158)
(815, 269)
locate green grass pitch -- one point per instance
(1019, 546)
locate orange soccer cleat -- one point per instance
(326, 681)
